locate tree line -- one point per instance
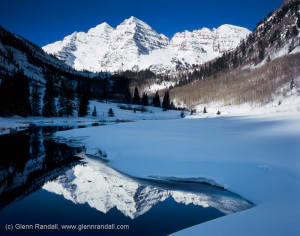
(166, 104)
(23, 96)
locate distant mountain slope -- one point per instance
(263, 69)
(134, 45)
(17, 53)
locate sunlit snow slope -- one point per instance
(135, 45)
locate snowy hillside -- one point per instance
(134, 45)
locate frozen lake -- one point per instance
(45, 182)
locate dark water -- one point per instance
(45, 182)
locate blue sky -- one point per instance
(46, 21)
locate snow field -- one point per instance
(258, 158)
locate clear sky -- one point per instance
(46, 21)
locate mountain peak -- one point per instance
(133, 22)
(132, 18)
(99, 29)
(135, 45)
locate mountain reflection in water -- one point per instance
(103, 188)
(43, 181)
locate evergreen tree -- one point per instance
(243, 48)
(235, 60)
(6, 95)
(292, 84)
(21, 94)
(111, 112)
(261, 54)
(94, 111)
(172, 106)
(166, 101)
(83, 107)
(287, 34)
(295, 31)
(69, 99)
(66, 97)
(62, 101)
(292, 46)
(49, 108)
(136, 96)
(145, 99)
(182, 114)
(128, 96)
(156, 100)
(35, 101)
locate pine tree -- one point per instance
(166, 101)
(261, 54)
(6, 96)
(235, 60)
(172, 106)
(21, 94)
(128, 96)
(111, 112)
(136, 96)
(295, 31)
(243, 48)
(69, 99)
(66, 106)
(62, 101)
(94, 111)
(49, 108)
(292, 46)
(35, 101)
(145, 99)
(156, 100)
(287, 34)
(292, 84)
(182, 114)
(83, 107)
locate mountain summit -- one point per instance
(134, 45)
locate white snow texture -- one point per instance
(134, 45)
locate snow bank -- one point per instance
(258, 158)
(281, 105)
(152, 113)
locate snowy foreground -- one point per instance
(258, 158)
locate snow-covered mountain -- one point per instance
(134, 45)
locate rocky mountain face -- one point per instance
(134, 45)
